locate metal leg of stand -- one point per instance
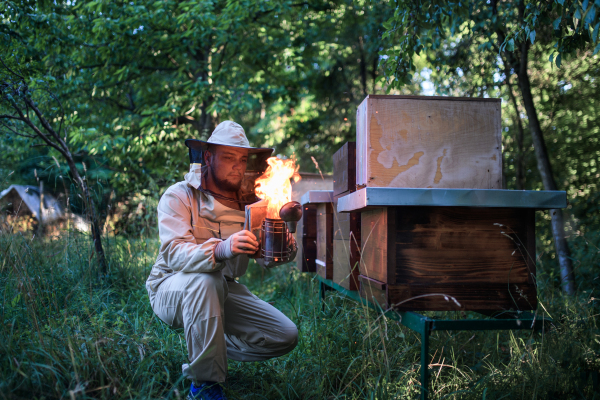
(424, 363)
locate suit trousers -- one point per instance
(221, 319)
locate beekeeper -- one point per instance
(204, 248)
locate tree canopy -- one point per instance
(132, 80)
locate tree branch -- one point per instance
(6, 116)
(11, 71)
(17, 133)
(46, 125)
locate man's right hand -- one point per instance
(243, 242)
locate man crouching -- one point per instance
(203, 249)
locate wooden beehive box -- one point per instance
(306, 239)
(346, 226)
(324, 259)
(449, 249)
(307, 231)
(429, 142)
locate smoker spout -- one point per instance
(291, 213)
(291, 226)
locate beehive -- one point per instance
(306, 239)
(429, 142)
(346, 226)
(307, 236)
(448, 249)
(324, 259)
(437, 230)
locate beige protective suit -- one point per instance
(188, 288)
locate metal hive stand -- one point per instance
(425, 325)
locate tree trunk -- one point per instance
(22, 103)
(545, 168)
(520, 158)
(41, 211)
(91, 211)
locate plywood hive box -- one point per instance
(425, 258)
(324, 259)
(307, 231)
(306, 239)
(437, 230)
(429, 142)
(346, 226)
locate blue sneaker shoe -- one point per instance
(206, 391)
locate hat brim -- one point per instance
(200, 145)
(257, 157)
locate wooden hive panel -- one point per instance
(425, 141)
(324, 261)
(482, 257)
(306, 239)
(346, 237)
(346, 249)
(344, 169)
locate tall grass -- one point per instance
(68, 333)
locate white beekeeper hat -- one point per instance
(229, 133)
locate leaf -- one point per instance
(532, 36)
(511, 45)
(16, 299)
(551, 59)
(556, 23)
(597, 49)
(558, 58)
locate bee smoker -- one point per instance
(275, 247)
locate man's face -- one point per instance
(227, 166)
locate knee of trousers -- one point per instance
(289, 337)
(205, 291)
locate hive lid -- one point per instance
(368, 198)
(317, 196)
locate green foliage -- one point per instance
(418, 26)
(66, 333)
(137, 78)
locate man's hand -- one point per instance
(243, 242)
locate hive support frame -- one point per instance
(424, 325)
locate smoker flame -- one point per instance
(274, 184)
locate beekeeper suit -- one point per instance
(193, 282)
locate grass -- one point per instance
(68, 333)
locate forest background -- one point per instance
(127, 82)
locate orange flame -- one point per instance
(274, 184)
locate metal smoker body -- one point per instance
(274, 233)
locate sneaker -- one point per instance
(206, 391)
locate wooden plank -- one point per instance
(530, 254)
(449, 297)
(306, 239)
(429, 142)
(373, 291)
(325, 233)
(463, 245)
(346, 259)
(307, 254)
(324, 270)
(469, 297)
(428, 98)
(344, 169)
(308, 221)
(378, 243)
(362, 145)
